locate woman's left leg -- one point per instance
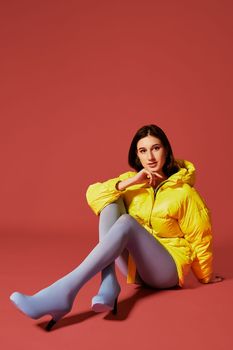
(155, 265)
(109, 287)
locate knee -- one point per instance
(109, 208)
(125, 217)
(124, 225)
(126, 220)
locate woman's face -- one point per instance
(151, 154)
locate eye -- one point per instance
(157, 148)
(142, 151)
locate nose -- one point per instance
(151, 156)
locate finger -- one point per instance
(158, 175)
(154, 178)
(151, 179)
(219, 278)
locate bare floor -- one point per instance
(195, 317)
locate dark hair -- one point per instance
(170, 167)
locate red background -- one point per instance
(78, 78)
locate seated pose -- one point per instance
(152, 223)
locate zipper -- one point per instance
(155, 191)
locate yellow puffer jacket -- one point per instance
(174, 213)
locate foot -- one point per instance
(106, 299)
(53, 300)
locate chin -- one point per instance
(155, 169)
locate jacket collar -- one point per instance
(185, 174)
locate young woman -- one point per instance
(153, 224)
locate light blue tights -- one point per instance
(109, 285)
(119, 233)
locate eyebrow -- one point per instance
(156, 144)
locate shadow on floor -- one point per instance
(222, 266)
(124, 308)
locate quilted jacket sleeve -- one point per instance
(101, 194)
(195, 223)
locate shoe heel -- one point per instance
(54, 320)
(51, 323)
(114, 311)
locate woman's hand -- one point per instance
(214, 279)
(144, 176)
